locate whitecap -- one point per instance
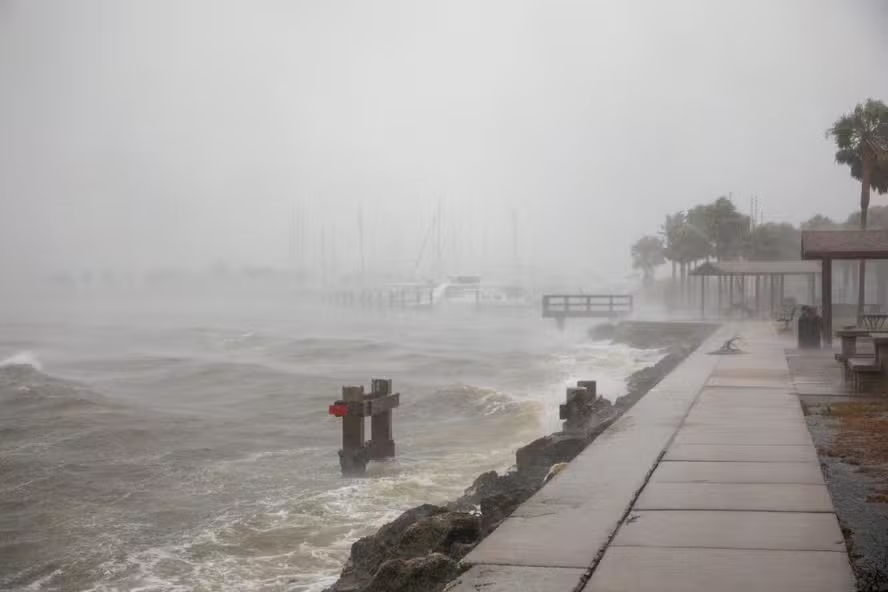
(22, 358)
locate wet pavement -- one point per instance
(711, 480)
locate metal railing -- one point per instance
(587, 305)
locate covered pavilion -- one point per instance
(769, 283)
(830, 245)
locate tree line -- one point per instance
(719, 231)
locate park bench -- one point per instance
(786, 316)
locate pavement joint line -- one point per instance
(784, 462)
(735, 510)
(730, 548)
(683, 510)
(748, 387)
(721, 444)
(590, 571)
(714, 482)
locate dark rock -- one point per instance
(416, 533)
(535, 459)
(460, 550)
(437, 534)
(653, 335)
(491, 483)
(496, 508)
(604, 332)
(639, 383)
(420, 574)
(484, 484)
(370, 552)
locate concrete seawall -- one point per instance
(709, 482)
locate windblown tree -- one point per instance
(861, 138)
(647, 255)
(773, 241)
(670, 233)
(820, 222)
(685, 244)
(725, 228)
(876, 218)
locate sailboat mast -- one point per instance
(361, 244)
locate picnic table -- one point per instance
(865, 370)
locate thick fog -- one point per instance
(189, 134)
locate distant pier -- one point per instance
(584, 306)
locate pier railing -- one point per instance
(564, 306)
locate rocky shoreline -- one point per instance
(420, 551)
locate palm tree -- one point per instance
(647, 255)
(671, 231)
(862, 143)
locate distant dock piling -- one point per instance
(354, 407)
(415, 297)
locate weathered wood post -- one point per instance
(353, 456)
(578, 406)
(353, 408)
(382, 401)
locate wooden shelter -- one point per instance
(769, 282)
(830, 245)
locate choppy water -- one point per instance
(184, 443)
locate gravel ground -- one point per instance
(851, 436)
(855, 487)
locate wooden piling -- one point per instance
(354, 406)
(353, 456)
(578, 405)
(590, 385)
(382, 444)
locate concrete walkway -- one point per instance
(710, 482)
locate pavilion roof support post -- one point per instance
(702, 296)
(758, 295)
(720, 283)
(861, 291)
(826, 300)
(812, 294)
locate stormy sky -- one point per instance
(176, 133)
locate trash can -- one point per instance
(809, 328)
